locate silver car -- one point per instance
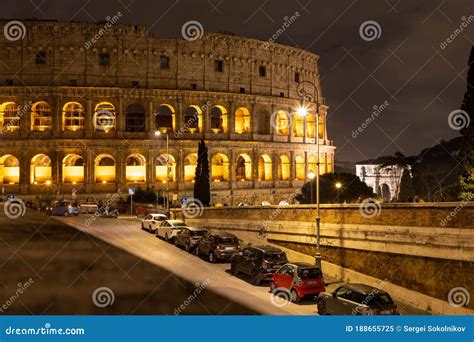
(356, 299)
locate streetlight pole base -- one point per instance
(317, 260)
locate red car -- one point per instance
(300, 279)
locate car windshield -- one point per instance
(197, 232)
(178, 224)
(74, 205)
(227, 240)
(380, 300)
(309, 273)
(275, 257)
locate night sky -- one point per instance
(406, 66)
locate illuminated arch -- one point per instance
(165, 168)
(165, 118)
(40, 169)
(104, 169)
(9, 170)
(242, 120)
(284, 168)
(73, 169)
(104, 117)
(310, 125)
(41, 117)
(135, 168)
(135, 118)
(192, 119)
(190, 163)
(312, 164)
(9, 117)
(299, 168)
(73, 117)
(298, 125)
(220, 168)
(219, 119)
(243, 168)
(282, 122)
(264, 168)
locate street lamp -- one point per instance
(311, 176)
(157, 134)
(302, 110)
(338, 187)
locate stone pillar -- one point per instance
(231, 117)
(150, 168)
(150, 120)
(90, 170)
(25, 173)
(180, 170)
(306, 160)
(56, 112)
(179, 115)
(120, 116)
(89, 119)
(292, 166)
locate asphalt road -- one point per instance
(127, 235)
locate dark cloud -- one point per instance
(405, 66)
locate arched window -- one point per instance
(9, 170)
(312, 164)
(192, 119)
(73, 117)
(40, 169)
(283, 168)
(104, 169)
(219, 119)
(165, 118)
(73, 169)
(41, 119)
(323, 164)
(264, 168)
(321, 127)
(263, 118)
(243, 170)
(190, 163)
(282, 122)
(298, 125)
(300, 169)
(310, 125)
(165, 168)
(220, 168)
(135, 169)
(104, 117)
(135, 118)
(242, 120)
(9, 117)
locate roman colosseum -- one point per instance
(82, 104)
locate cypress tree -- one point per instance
(202, 186)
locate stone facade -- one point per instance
(384, 180)
(59, 84)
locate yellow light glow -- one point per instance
(338, 185)
(311, 175)
(48, 182)
(104, 182)
(302, 111)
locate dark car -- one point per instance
(259, 262)
(356, 299)
(189, 237)
(218, 246)
(63, 208)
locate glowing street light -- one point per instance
(302, 111)
(338, 187)
(311, 176)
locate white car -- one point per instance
(168, 229)
(152, 221)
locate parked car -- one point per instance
(88, 207)
(356, 299)
(189, 237)
(300, 279)
(152, 221)
(167, 229)
(259, 262)
(63, 208)
(218, 246)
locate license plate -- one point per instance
(312, 282)
(229, 248)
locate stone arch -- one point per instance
(135, 118)
(41, 117)
(73, 117)
(299, 168)
(265, 168)
(9, 169)
(104, 169)
(73, 169)
(284, 168)
(9, 117)
(192, 119)
(135, 168)
(220, 168)
(219, 119)
(165, 168)
(40, 169)
(165, 118)
(242, 120)
(190, 163)
(243, 167)
(104, 117)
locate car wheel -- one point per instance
(187, 248)
(176, 242)
(166, 237)
(212, 258)
(149, 229)
(322, 309)
(196, 251)
(295, 297)
(272, 286)
(255, 278)
(234, 268)
(66, 213)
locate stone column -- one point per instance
(25, 170)
(150, 120)
(89, 119)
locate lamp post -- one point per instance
(311, 176)
(158, 133)
(301, 91)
